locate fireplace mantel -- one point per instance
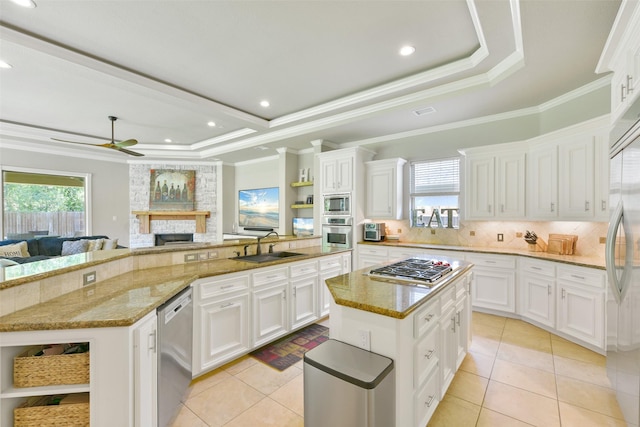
(146, 217)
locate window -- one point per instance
(435, 193)
(37, 203)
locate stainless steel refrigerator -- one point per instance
(623, 265)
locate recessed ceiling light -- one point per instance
(407, 50)
(211, 124)
(264, 103)
(5, 64)
(168, 140)
(25, 3)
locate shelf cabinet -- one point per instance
(384, 180)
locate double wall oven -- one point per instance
(337, 222)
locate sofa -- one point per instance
(29, 250)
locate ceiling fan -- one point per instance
(114, 145)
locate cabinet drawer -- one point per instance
(330, 263)
(582, 276)
(373, 250)
(426, 399)
(539, 267)
(492, 261)
(270, 275)
(304, 269)
(425, 357)
(426, 318)
(209, 288)
(447, 297)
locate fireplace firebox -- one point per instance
(173, 238)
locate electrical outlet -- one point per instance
(202, 256)
(399, 230)
(500, 237)
(518, 234)
(433, 231)
(364, 339)
(88, 278)
(603, 240)
(472, 233)
(213, 255)
(190, 257)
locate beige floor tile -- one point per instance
(520, 327)
(477, 363)
(570, 350)
(522, 405)
(488, 319)
(486, 331)
(573, 416)
(585, 395)
(291, 395)
(486, 346)
(186, 418)
(240, 364)
(453, 411)
(207, 380)
(469, 387)
(533, 341)
(489, 418)
(266, 379)
(588, 372)
(525, 356)
(525, 377)
(224, 401)
(267, 413)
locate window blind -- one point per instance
(435, 177)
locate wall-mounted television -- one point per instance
(259, 207)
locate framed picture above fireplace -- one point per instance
(172, 190)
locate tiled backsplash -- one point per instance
(485, 234)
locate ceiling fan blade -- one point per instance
(129, 152)
(126, 143)
(81, 143)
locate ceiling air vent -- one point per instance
(424, 111)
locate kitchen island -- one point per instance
(425, 330)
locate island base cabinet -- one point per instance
(223, 331)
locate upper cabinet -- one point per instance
(622, 56)
(384, 180)
(495, 184)
(337, 173)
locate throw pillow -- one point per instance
(15, 250)
(94, 244)
(7, 262)
(109, 244)
(72, 247)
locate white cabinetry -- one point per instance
(221, 320)
(330, 266)
(494, 282)
(370, 255)
(337, 173)
(145, 371)
(538, 292)
(304, 293)
(384, 180)
(581, 302)
(576, 176)
(495, 185)
(542, 181)
(270, 304)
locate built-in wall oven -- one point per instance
(337, 232)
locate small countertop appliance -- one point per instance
(374, 231)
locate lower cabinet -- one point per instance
(269, 314)
(304, 294)
(494, 282)
(538, 292)
(145, 368)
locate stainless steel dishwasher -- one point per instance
(175, 324)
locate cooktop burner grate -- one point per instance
(418, 269)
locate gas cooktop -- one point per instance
(419, 270)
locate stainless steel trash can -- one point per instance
(346, 386)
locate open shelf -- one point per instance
(302, 206)
(302, 184)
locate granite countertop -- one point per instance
(582, 261)
(125, 299)
(388, 297)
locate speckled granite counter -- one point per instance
(388, 297)
(582, 261)
(124, 299)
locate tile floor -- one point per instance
(514, 375)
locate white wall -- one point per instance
(110, 186)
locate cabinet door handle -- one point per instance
(553, 207)
(489, 208)
(549, 289)
(575, 276)
(273, 276)
(604, 205)
(428, 317)
(294, 292)
(429, 400)
(152, 341)
(229, 304)
(458, 318)
(226, 286)
(622, 93)
(284, 294)
(629, 85)
(489, 262)
(453, 323)
(586, 206)
(564, 293)
(501, 208)
(533, 267)
(429, 354)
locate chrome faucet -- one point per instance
(259, 250)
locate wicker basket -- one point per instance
(34, 371)
(41, 415)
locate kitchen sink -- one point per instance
(266, 257)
